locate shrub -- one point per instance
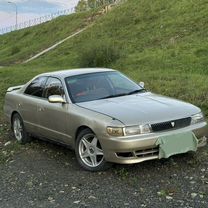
(100, 54)
(15, 50)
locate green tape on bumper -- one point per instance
(176, 144)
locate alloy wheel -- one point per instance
(90, 150)
(18, 129)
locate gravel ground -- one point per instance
(41, 174)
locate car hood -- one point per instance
(142, 108)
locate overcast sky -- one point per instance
(29, 9)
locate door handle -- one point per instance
(40, 109)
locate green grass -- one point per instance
(18, 46)
(163, 43)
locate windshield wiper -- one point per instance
(123, 94)
(136, 91)
(113, 96)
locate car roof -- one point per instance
(73, 72)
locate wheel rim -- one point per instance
(18, 130)
(90, 150)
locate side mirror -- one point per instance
(56, 99)
(141, 84)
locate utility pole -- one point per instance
(9, 2)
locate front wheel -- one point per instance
(89, 152)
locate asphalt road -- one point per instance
(41, 174)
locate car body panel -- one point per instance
(142, 108)
(52, 120)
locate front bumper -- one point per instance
(139, 148)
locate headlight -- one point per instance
(115, 131)
(141, 129)
(199, 117)
(129, 130)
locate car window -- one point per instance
(36, 87)
(120, 84)
(53, 87)
(100, 85)
(88, 87)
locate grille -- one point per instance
(147, 152)
(175, 124)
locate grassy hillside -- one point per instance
(156, 34)
(18, 46)
(163, 43)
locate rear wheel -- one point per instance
(89, 152)
(18, 129)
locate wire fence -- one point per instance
(49, 17)
(36, 21)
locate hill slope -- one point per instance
(20, 45)
(164, 43)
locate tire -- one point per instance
(18, 129)
(89, 152)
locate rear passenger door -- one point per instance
(28, 104)
(52, 116)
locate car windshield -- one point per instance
(100, 85)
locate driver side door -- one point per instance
(52, 116)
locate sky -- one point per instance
(30, 9)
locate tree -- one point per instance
(81, 6)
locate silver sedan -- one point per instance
(104, 116)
